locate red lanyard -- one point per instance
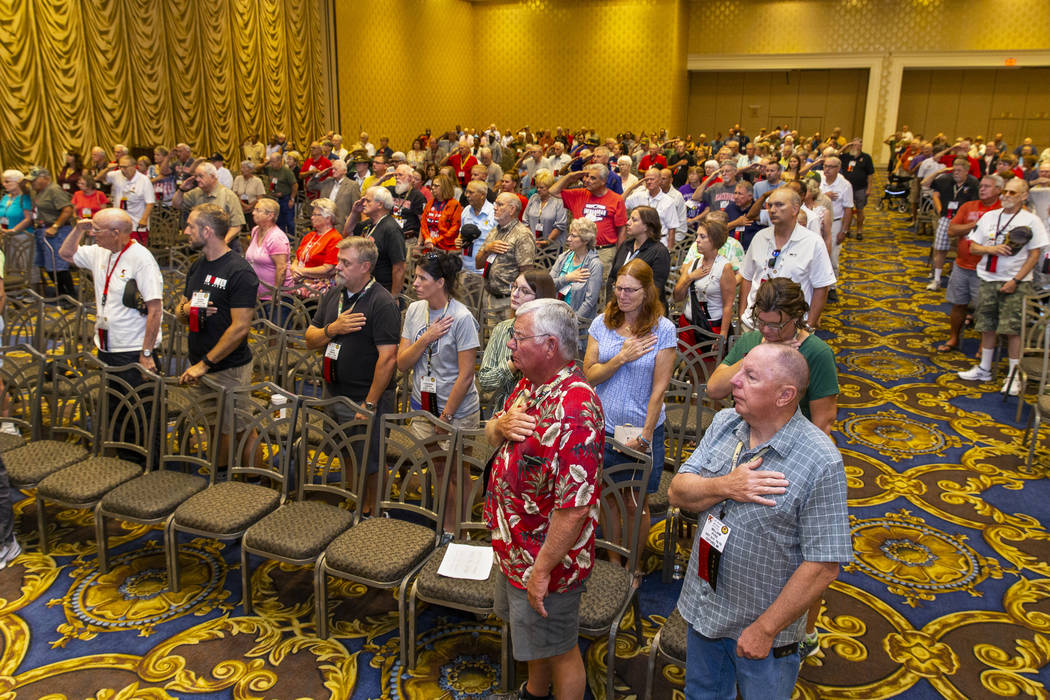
(105, 289)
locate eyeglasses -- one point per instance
(517, 289)
(1012, 193)
(627, 290)
(775, 255)
(516, 338)
(760, 324)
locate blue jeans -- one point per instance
(713, 671)
(612, 457)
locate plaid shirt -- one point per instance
(558, 466)
(767, 544)
(505, 267)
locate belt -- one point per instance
(607, 245)
(839, 218)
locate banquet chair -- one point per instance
(257, 449)
(1035, 315)
(331, 458)
(670, 643)
(1041, 404)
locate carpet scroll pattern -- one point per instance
(948, 595)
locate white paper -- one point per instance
(466, 561)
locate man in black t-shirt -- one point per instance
(358, 325)
(218, 303)
(379, 225)
(409, 203)
(858, 168)
(951, 188)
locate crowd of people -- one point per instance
(599, 261)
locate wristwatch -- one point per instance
(369, 405)
(146, 352)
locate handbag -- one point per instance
(701, 319)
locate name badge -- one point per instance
(428, 385)
(715, 533)
(86, 212)
(332, 351)
(623, 433)
(200, 300)
(3, 222)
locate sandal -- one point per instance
(946, 347)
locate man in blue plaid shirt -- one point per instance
(773, 528)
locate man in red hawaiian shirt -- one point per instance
(542, 504)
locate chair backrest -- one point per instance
(22, 374)
(621, 484)
(679, 425)
(471, 287)
(1035, 314)
(333, 453)
(261, 431)
(695, 363)
(128, 412)
(1044, 376)
(174, 344)
(68, 409)
(18, 261)
(23, 315)
(302, 369)
(294, 310)
(267, 341)
(409, 467)
(60, 327)
(189, 426)
(473, 451)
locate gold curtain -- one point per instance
(83, 73)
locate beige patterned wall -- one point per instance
(858, 26)
(404, 65)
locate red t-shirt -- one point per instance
(462, 167)
(648, 161)
(607, 212)
(86, 206)
(319, 249)
(558, 466)
(969, 213)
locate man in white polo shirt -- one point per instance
(786, 249)
(1010, 241)
(134, 193)
(840, 192)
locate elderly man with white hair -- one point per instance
(376, 205)
(542, 498)
(338, 188)
(204, 188)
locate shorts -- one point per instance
(423, 429)
(533, 636)
(940, 238)
(860, 198)
(999, 312)
(963, 286)
(229, 378)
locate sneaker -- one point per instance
(9, 552)
(524, 694)
(1012, 386)
(860, 236)
(976, 374)
(9, 428)
(833, 296)
(934, 285)
(809, 645)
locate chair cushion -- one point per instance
(152, 495)
(465, 592)
(299, 530)
(658, 501)
(226, 508)
(87, 481)
(380, 549)
(9, 441)
(1044, 407)
(35, 460)
(674, 636)
(608, 588)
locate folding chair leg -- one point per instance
(321, 598)
(171, 549)
(246, 582)
(101, 541)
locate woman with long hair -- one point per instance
(643, 243)
(629, 360)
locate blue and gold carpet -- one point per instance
(949, 594)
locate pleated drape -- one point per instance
(80, 73)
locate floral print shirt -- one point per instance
(558, 466)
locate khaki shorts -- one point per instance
(423, 429)
(999, 312)
(228, 379)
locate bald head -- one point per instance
(788, 366)
(114, 218)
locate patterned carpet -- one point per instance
(949, 594)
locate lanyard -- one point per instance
(430, 348)
(999, 228)
(310, 248)
(356, 298)
(109, 274)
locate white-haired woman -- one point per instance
(317, 255)
(577, 272)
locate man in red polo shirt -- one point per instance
(963, 284)
(598, 203)
(461, 161)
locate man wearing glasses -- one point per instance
(786, 249)
(1010, 241)
(128, 289)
